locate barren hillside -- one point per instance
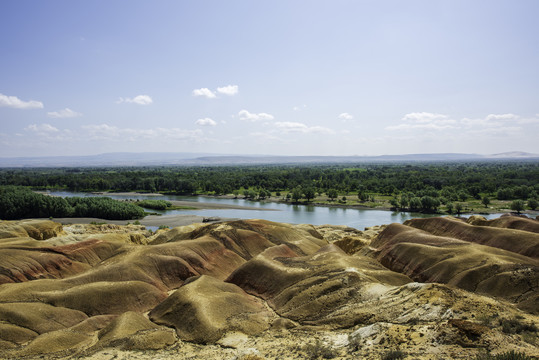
(431, 288)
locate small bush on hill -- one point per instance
(393, 355)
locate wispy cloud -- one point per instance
(502, 117)
(65, 113)
(139, 100)
(297, 127)
(424, 117)
(42, 128)
(247, 116)
(229, 90)
(206, 122)
(108, 132)
(48, 133)
(16, 103)
(204, 92)
(426, 121)
(346, 116)
(491, 120)
(490, 125)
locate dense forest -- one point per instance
(18, 203)
(415, 186)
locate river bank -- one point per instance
(469, 208)
(170, 221)
(381, 206)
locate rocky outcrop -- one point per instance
(35, 229)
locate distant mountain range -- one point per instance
(193, 159)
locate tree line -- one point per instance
(19, 203)
(449, 182)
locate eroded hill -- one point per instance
(433, 288)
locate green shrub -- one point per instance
(516, 326)
(393, 355)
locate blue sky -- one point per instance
(269, 77)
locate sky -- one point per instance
(280, 77)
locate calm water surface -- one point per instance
(288, 213)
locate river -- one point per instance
(287, 213)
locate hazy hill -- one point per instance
(151, 159)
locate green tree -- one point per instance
(404, 201)
(297, 194)
(332, 194)
(309, 193)
(415, 203)
(533, 204)
(458, 208)
(517, 205)
(362, 196)
(429, 203)
(485, 200)
(449, 207)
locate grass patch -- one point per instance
(97, 223)
(173, 207)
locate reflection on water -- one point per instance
(289, 213)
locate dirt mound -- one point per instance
(518, 241)
(310, 289)
(507, 222)
(470, 266)
(204, 309)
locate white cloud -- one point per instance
(529, 120)
(346, 116)
(501, 130)
(289, 127)
(229, 90)
(204, 92)
(42, 128)
(139, 99)
(107, 132)
(205, 122)
(501, 117)
(247, 116)
(16, 103)
(423, 117)
(425, 121)
(298, 108)
(65, 113)
(430, 126)
(494, 125)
